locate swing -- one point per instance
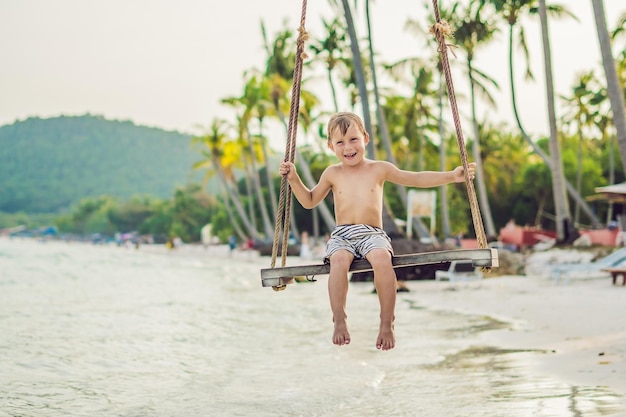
(279, 277)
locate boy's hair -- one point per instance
(342, 121)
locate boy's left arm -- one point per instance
(428, 179)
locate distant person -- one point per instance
(458, 240)
(232, 242)
(305, 246)
(357, 185)
(205, 235)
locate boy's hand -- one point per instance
(287, 169)
(459, 176)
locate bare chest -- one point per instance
(358, 186)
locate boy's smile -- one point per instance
(350, 155)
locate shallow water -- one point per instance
(107, 331)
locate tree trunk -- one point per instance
(250, 195)
(443, 190)
(267, 225)
(480, 175)
(615, 92)
(380, 116)
(310, 182)
(233, 218)
(333, 91)
(609, 212)
(234, 197)
(268, 171)
(579, 171)
(561, 203)
(360, 75)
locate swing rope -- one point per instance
(283, 213)
(441, 29)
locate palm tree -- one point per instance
(330, 51)
(221, 154)
(416, 27)
(263, 109)
(380, 116)
(443, 190)
(620, 61)
(561, 203)
(280, 66)
(472, 30)
(412, 117)
(251, 104)
(418, 107)
(512, 11)
(359, 76)
(586, 95)
(383, 129)
(350, 83)
(616, 96)
(359, 72)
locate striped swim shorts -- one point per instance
(358, 239)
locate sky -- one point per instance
(168, 63)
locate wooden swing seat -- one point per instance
(278, 278)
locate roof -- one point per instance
(612, 189)
(615, 193)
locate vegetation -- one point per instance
(183, 216)
(519, 176)
(534, 180)
(49, 165)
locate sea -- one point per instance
(107, 330)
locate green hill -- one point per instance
(47, 165)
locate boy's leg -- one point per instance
(385, 283)
(338, 292)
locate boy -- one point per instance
(357, 185)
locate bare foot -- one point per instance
(341, 336)
(386, 338)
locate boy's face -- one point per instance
(349, 148)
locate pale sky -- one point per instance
(167, 63)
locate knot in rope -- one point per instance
(443, 30)
(441, 27)
(302, 38)
(304, 35)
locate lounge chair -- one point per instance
(459, 271)
(564, 272)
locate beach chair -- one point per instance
(459, 271)
(564, 272)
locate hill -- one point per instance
(47, 165)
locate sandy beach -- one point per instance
(580, 326)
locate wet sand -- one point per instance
(581, 326)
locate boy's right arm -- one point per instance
(307, 198)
